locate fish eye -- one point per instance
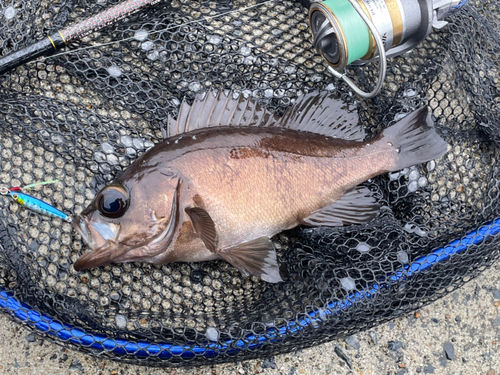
(112, 201)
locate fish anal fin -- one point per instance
(357, 206)
(203, 226)
(256, 257)
(325, 114)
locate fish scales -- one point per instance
(268, 186)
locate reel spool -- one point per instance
(360, 31)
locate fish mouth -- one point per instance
(100, 238)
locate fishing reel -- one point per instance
(360, 31)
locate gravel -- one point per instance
(30, 337)
(394, 345)
(449, 350)
(268, 363)
(342, 356)
(373, 337)
(352, 342)
(76, 365)
(429, 369)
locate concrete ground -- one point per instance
(459, 334)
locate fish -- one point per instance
(230, 175)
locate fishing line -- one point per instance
(206, 19)
(31, 186)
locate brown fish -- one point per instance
(231, 175)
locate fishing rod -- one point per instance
(61, 38)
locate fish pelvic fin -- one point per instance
(414, 140)
(256, 257)
(203, 226)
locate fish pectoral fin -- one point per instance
(256, 257)
(203, 226)
(357, 206)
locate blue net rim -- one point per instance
(123, 347)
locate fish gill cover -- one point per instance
(83, 117)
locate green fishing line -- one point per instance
(356, 33)
(28, 187)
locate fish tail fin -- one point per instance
(414, 140)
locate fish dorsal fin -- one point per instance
(325, 114)
(316, 112)
(222, 109)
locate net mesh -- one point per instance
(84, 116)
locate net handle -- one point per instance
(382, 58)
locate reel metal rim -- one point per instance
(330, 16)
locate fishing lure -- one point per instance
(33, 203)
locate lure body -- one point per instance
(37, 205)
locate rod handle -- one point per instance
(44, 47)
